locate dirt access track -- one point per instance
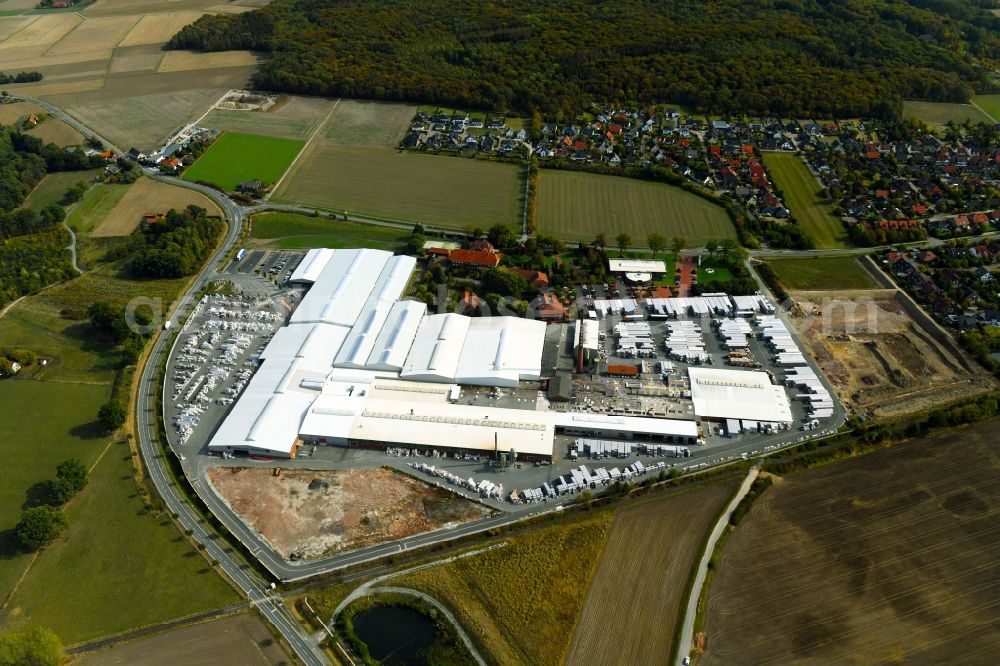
(316, 513)
(879, 357)
(890, 557)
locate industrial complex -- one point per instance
(356, 365)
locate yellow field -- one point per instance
(148, 196)
(43, 89)
(94, 34)
(18, 64)
(153, 28)
(57, 132)
(11, 24)
(185, 61)
(230, 9)
(135, 62)
(36, 37)
(11, 113)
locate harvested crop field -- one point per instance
(229, 641)
(291, 118)
(11, 24)
(57, 132)
(187, 61)
(148, 196)
(578, 206)
(890, 557)
(143, 120)
(152, 28)
(315, 513)
(11, 113)
(37, 37)
(95, 34)
(878, 358)
(360, 123)
(641, 577)
(451, 192)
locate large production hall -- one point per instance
(356, 366)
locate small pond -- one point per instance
(394, 635)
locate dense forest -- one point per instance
(769, 57)
(176, 245)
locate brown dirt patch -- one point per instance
(149, 196)
(635, 596)
(315, 513)
(889, 557)
(877, 357)
(241, 640)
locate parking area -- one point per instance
(270, 264)
(214, 359)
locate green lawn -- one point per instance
(822, 273)
(800, 189)
(291, 231)
(720, 272)
(41, 424)
(578, 206)
(50, 191)
(95, 206)
(117, 567)
(990, 104)
(237, 158)
(939, 113)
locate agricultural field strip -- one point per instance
(890, 638)
(907, 556)
(825, 518)
(716, 603)
(302, 150)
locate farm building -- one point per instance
(356, 366)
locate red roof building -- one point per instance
(474, 258)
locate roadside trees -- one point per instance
(623, 240)
(111, 415)
(656, 243)
(39, 526)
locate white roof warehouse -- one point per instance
(356, 366)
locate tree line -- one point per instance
(799, 58)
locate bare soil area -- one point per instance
(241, 640)
(878, 358)
(315, 513)
(890, 557)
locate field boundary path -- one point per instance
(319, 127)
(687, 628)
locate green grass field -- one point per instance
(50, 191)
(292, 231)
(451, 192)
(116, 567)
(822, 273)
(95, 206)
(41, 424)
(990, 104)
(578, 206)
(816, 219)
(938, 113)
(236, 158)
(720, 272)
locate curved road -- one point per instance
(255, 589)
